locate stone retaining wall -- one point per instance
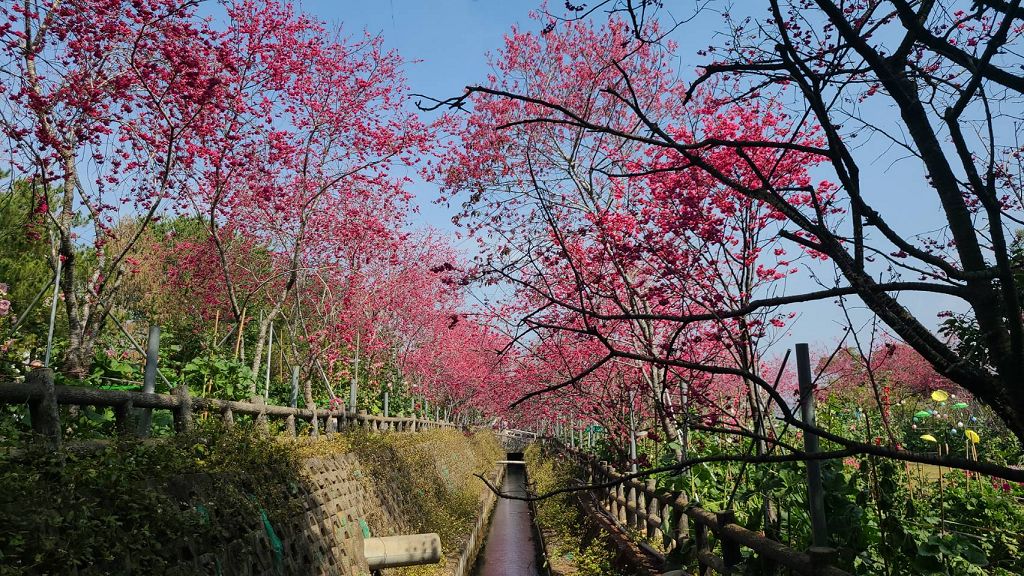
(338, 502)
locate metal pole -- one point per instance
(28, 309)
(355, 377)
(815, 495)
(632, 436)
(138, 347)
(632, 448)
(270, 357)
(53, 312)
(149, 376)
(295, 387)
(152, 357)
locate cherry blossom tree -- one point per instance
(102, 103)
(932, 71)
(302, 163)
(604, 237)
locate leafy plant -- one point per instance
(218, 377)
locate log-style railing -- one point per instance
(665, 520)
(44, 397)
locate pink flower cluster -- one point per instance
(5, 305)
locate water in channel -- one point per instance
(511, 547)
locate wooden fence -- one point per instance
(44, 398)
(664, 519)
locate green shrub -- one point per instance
(110, 510)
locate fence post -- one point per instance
(602, 477)
(821, 558)
(815, 494)
(653, 509)
(632, 505)
(295, 387)
(229, 417)
(680, 521)
(343, 419)
(701, 536)
(123, 418)
(289, 425)
(731, 554)
(149, 377)
(387, 398)
(610, 492)
(261, 419)
(623, 502)
(44, 412)
(183, 414)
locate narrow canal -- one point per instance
(511, 547)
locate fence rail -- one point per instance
(44, 397)
(662, 518)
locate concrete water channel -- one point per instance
(512, 546)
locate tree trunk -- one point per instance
(79, 355)
(307, 391)
(261, 342)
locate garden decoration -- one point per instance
(940, 395)
(972, 443)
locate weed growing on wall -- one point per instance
(570, 548)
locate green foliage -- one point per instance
(968, 338)
(25, 270)
(571, 550)
(218, 377)
(111, 372)
(884, 516)
(968, 526)
(113, 511)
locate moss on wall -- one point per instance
(423, 482)
(219, 501)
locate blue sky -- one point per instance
(446, 42)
